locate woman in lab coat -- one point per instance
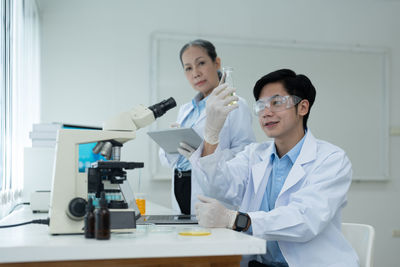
(201, 67)
(291, 190)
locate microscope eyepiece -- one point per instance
(162, 107)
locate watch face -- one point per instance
(241, 221)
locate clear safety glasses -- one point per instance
(276, 103)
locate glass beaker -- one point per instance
(228, 72)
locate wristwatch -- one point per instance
(242, 222)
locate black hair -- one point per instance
(206, 45)
(294, 84)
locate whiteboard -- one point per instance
(351, 108)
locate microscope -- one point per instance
(70, 188)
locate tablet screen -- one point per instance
(169, 139)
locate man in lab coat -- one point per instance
(290, 190)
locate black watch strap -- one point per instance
(242, 221)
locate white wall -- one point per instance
(95, 63)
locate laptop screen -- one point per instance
(129, 197)
(156, 219)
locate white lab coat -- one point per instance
(233, 136)
(306, 220)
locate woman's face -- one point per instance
(200, 70)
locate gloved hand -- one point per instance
(185, 150)
(211, 213)
(217, 109)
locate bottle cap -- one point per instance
(89, 205)
(103, 201)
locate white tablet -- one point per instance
(169, 139)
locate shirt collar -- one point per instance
(293, 153)
(199, 101)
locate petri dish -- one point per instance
(194, 231)
(143, 229)
(161, 229)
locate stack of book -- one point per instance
(44, 134)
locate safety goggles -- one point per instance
(276, 103)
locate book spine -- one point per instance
(46, 127)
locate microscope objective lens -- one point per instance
(106, 150)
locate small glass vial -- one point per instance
(89, 219)
(228, 72)
(102, 219)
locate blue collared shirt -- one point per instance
(199, 106)
(280, 170)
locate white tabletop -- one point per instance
(34, 243)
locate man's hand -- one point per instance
(211, 213)
(217, 109)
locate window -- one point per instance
(19, 93)
(4, 98)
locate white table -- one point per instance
(32, 245)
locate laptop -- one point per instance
(167, 219)
(156, 219)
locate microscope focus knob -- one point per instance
(77, 208)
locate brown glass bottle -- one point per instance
(89, 219)
(102, 219)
